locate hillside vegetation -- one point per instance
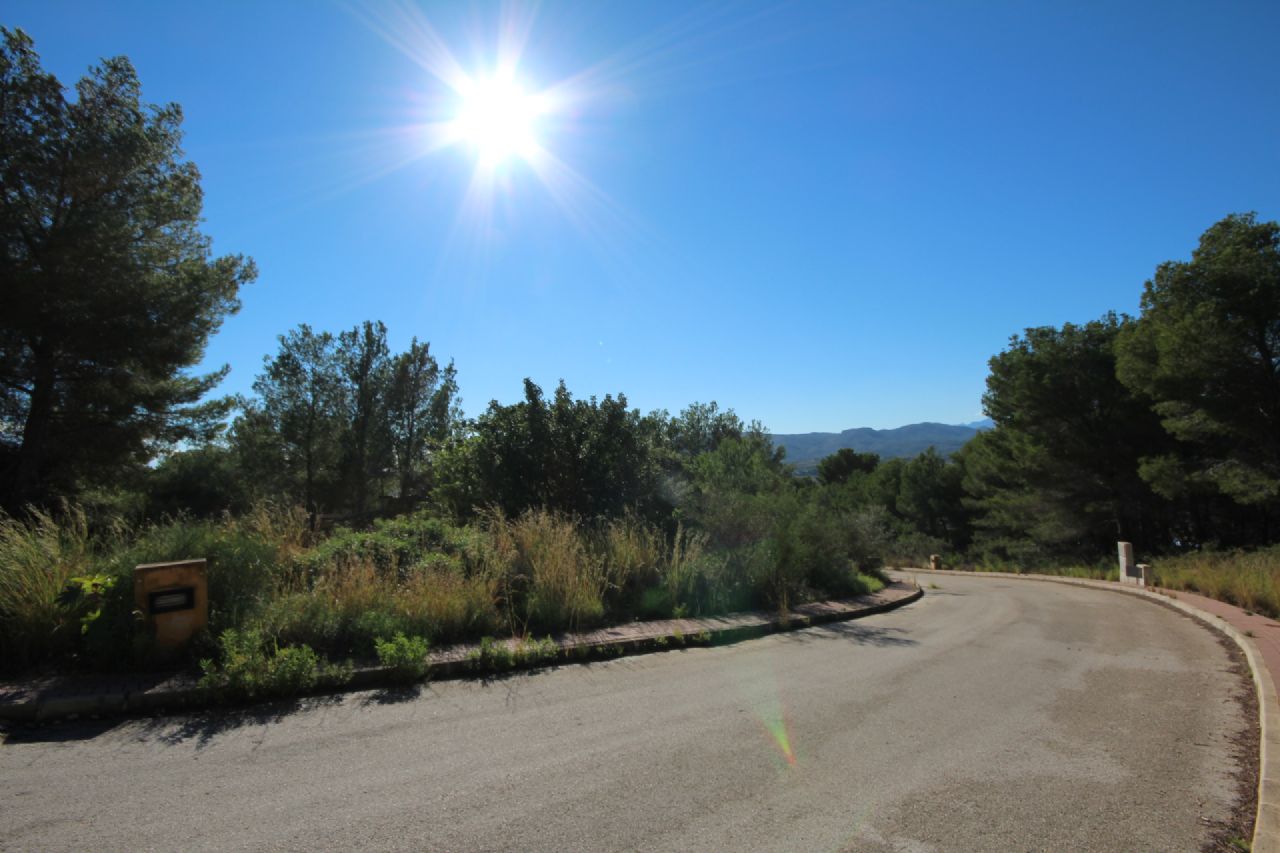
(349, 507)
(806, 450)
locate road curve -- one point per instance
(991, 715)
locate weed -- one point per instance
(1250, 634)
(1248, 579)
(247, 670)
(406, 656)
(38, 559)
(536, 651)
(492, 654)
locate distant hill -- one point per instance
(804, 450)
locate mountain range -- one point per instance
(804, 450)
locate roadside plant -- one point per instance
(247, 670)
(406, 656)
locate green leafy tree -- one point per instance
(303, 399)
(364, 362)
(1059, 473)
(844, 463)
(589, 458)
(109, 288)
(701, 427)
(930, 498)
(423, 413)
(202, 481)
(1206, 350)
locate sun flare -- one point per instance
(499, 119)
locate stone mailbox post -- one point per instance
(174, 601)
(935, 562)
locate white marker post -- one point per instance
(1129, 571)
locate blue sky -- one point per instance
(822, 215)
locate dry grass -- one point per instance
(1247, 579)
(37, 559)
(565, 583)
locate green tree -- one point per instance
(422, 409)
(589, 458)
(844, 463)
(930, 498)
(1206, 350)
(110, 290)
(363, 361)
(203, 481)
(701, 427)
(303, 400)
(1059, 473)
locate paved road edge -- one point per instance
(580, 649)
(1266, 827)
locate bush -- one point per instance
(396, 545)
(247, 670)
(407, 656)
(243, 563)
(37, 561)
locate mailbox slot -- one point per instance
(169, 600)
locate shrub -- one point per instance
(38, 560)
(243, 564)
(407, 656)
(247, 670)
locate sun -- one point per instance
(499, 119)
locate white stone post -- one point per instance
(1129, 571)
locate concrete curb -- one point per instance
(1266, 827)
(38, 706)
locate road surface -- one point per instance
(991, 715)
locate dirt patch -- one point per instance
(1226, 836)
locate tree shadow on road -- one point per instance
(58, 731)
(863, 635)
(203, 727)
(393, 695)
(171, 729)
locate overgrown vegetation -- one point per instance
(1250, 580)
(349, 509)
(406, 656)
(66, 590)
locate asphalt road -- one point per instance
(991, 715)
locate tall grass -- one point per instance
(415, 575)
(1248, 579)
(550, 578)
(38, 558)
(354, 603)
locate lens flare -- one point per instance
(777, 729)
